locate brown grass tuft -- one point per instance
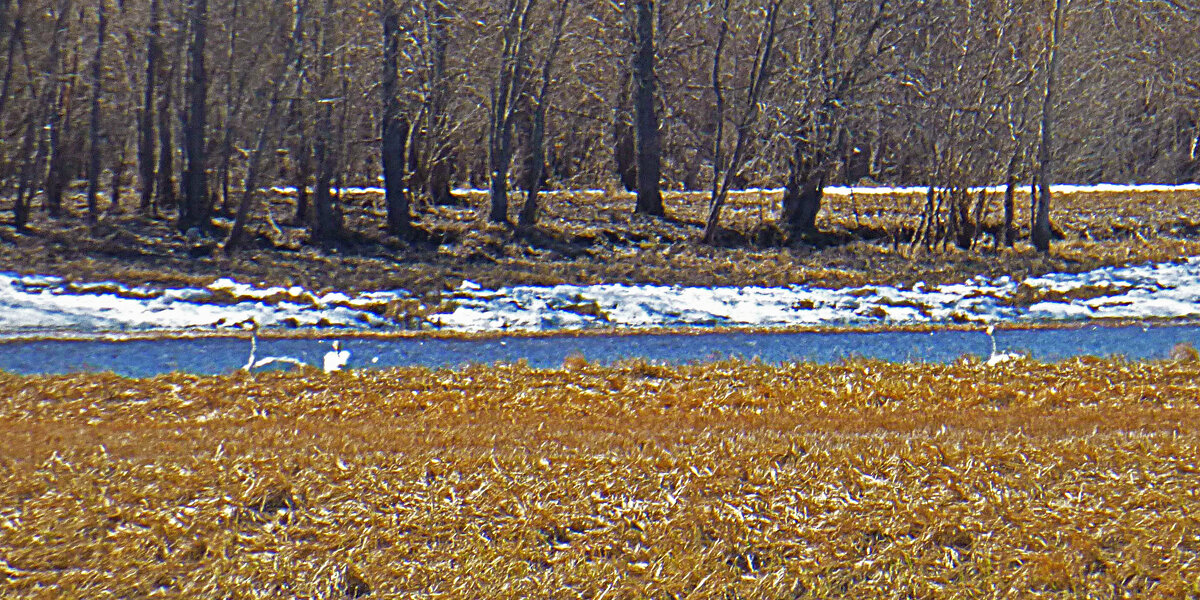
(1184, 352)
(575, 361)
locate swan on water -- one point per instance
(256, 363)
(997, 357)
(336, 359)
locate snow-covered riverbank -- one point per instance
(1153, 291)
(31, 304)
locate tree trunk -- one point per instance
(4, 20)
(4, 25)
(268, 136)
(536, 169)
(11, 38)
(624, 140)
(43, 96)
(1041, 226)
(438, 167)
(28, 168)
(326, 219)
(146, 116)
(56, 101)
(59, 129)
(508, 87)
(805, 188)
(94, 130)
(193, 212)
(649, 144)
(399, 221)
(250, 189)
(1008, 234)
(964, 227)
(233, 103)
(166, 194)
(24, 180)
(717, 198)
(55, 176)
(498, 182)
(118, 174)
(537, 142)
(326, 222)
(759, 75)
(1033, 202)
(303, 171)
(299, 145)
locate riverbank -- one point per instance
(38, 305)
(591, 237)
(729, 479)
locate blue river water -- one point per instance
(143, 358)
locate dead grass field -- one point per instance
(591, 237)
(728, 480)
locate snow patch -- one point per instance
(1162, 291)
(838, 190)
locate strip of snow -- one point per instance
(32, 303)
(1163, 291)
(841, 190)
(1056, 189)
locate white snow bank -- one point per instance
(31, 303)
(1170, 290)
(1155, 291)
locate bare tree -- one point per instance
(393, 134)
(326, 222)
(760, 74)
(507, 87)
(843, 44)
(1041, 226)
(11, 36)
(58, 125)
(193, 211)
(624, 140)
(437, 180)
(269, 130)
(236, 79)
(537, 153)
(167, 195)
(44, 92)
(146, 158)
(649, 144)
(97, 83)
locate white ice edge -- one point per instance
(1154, 291)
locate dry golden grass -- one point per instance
(592, 237)
(728, 480)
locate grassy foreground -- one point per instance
(728, 480)
(592, 237)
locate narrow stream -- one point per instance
(144, 358)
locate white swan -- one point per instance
(997, 357)
(336, 359)
(252, 363)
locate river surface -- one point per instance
(149, 357)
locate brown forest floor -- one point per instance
(588, 237)
(730, 480)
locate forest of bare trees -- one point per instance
(186, 109)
